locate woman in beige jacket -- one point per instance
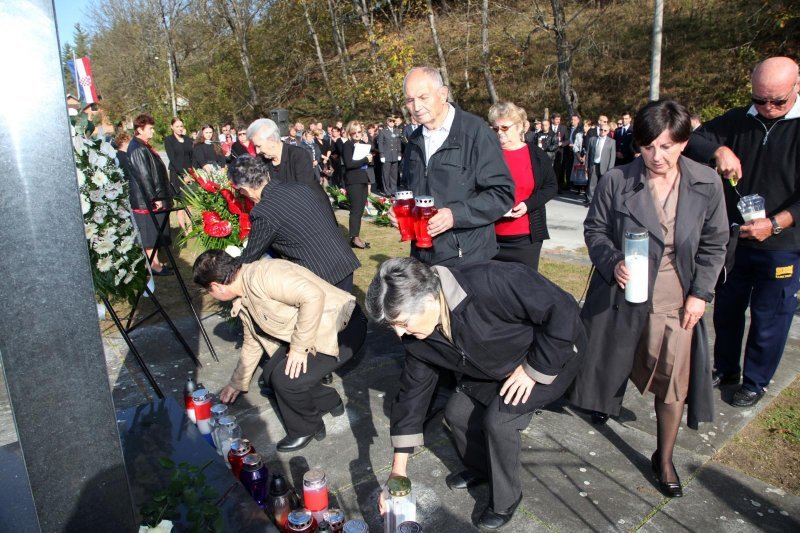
(306, 326)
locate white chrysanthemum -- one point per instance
(90, 230)
(103, 246)
(113, 192)
(104, 265)
(99, 215)
(77, 143)
(128, 278)
(125, 245)
(96, 159)
(233, 251)
(85, 205)
(110, 234)
(81, 178)
(99, 179)
(108, 150)
(96, 195)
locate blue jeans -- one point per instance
(767, 281)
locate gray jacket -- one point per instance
(614, 326)
(389, 145)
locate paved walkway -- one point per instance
(577, 477)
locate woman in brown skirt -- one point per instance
(660, 344)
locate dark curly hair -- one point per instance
(249, 171)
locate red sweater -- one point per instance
(519, 163)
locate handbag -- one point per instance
(578, 176)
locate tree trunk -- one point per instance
(466, 50)
(341, 48)
(238, 23)
(564, 51)
(321, 60)
(487, 70)
(439, 51)
(366, 20)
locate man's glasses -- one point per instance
(502, 128)
(777, 103)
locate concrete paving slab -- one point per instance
(727, 501)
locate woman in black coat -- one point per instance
(179, 152)
(660, 343)
(515, 340)
(356, 181)
(207, 154)
(149, 190)
(521, 232)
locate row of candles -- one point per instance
(277, 496)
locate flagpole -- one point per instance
(75, 75)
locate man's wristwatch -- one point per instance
(776, 228)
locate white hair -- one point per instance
(264, 127)
(430, 72)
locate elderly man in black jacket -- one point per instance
(455, 158)
(514, 338)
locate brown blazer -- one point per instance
(284, 302)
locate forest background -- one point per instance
(235, 60)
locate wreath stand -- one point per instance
(129, 326)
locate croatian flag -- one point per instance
(82, 73)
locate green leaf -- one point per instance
(166, 462)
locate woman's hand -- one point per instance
(621, 274)
(399, 468)
(369, 158)
(519, 210)
(693, 311)
(158, 205)
(518, 387)
(228, 394)
(296, 363)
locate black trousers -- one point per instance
(357, 194)
(489, 443)
(390, 172)
(519, 250)
(303, 400)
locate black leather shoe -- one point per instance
(599, 418)
(718, 378)
(670, 489)
(746, 398)
(491, 519)
(464, 480)
(338, 409)
(328, 379)
(292, 445)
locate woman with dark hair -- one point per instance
(515, 341)
(306, 326)
(356, 181)
(148, 188)
(660, 344)
(522, 230)
(206, 153)
(179, 153)
(243, 145)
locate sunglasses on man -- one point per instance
(777, 103)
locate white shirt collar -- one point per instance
(446, 125)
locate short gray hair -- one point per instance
(400, 287)
(266, 127)
(430, 72)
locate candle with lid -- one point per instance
(201, 399)
(403, 205)
(217, 411)
(335, 518)
(355, 526)
(240, 448)
(254, 478)
(423, 211)
(229, 431)
(315, 492)
(400, 505)
(282, 500)
(300, 521)
(636, 261)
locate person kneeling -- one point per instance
(307, 327)
(513, 337)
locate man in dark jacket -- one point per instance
(390, 152)
(455, 158)
(761, 145)
(516, 342)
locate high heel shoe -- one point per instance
(670, 489)
(362, 246)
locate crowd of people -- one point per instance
(481, 327)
